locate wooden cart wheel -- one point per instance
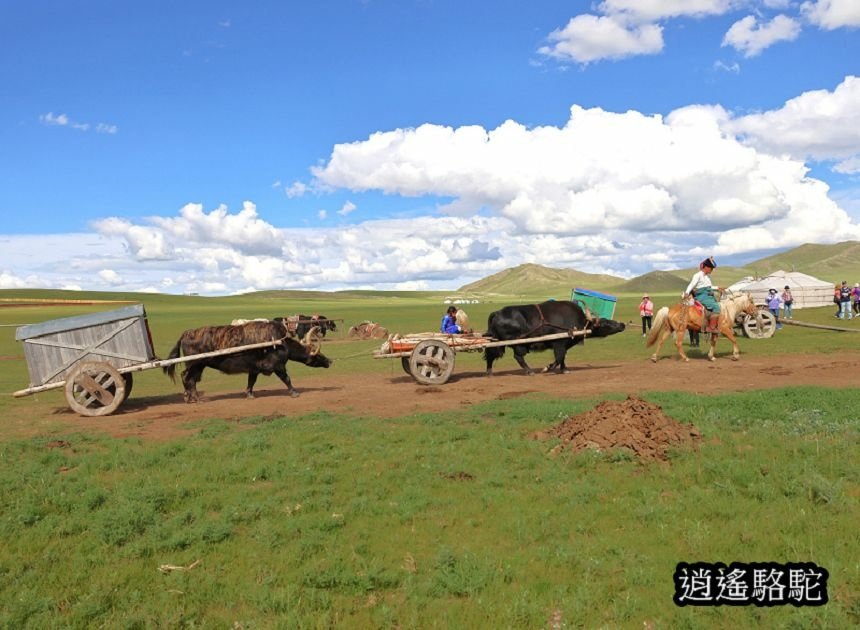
(404, 361)
(431, 362)
(95, 389)
(760, 326)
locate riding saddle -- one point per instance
(709, 321)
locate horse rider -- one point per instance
(702, 289)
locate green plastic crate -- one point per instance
(600, 304)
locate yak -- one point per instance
(269, 360)
(301, 325)
(536, 320)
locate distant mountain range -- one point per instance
(840, 261)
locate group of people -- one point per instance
(844, 296)
(775, 300)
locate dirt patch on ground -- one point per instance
(391, 393)
(633, 425)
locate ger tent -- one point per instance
(806, 290)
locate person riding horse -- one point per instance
(701, 289)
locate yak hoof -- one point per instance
(249, 394)
(712, 358)
(653, 358)
(735, 357)
(294, 393)
(686, 359)
(530, 372)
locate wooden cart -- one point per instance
(429, 357)
(761, 326)
(93, 357)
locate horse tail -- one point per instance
(660, 320)
(170, 370)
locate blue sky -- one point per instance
(219, 147)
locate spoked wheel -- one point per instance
(95, 389)
(759, 326)
(431, 362)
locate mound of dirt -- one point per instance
(633, 424)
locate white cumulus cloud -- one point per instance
(750, 36)
(588, 38)
(832, 14)
(652, 10)
(605, 192)
(819, 125)
(347, 208)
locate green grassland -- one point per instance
(169, 316)
(454, 520)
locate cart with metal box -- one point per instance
(93, 357)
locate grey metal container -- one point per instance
(120, 337)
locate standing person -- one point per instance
(702, 289)
(773, 305)
(787, 301)
(646, 312)
(837, 300)
(845, 301)
(449, 322)
(856, 294)
(694, 338)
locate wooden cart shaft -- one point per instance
(159, 363)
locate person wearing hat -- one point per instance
(773, 302)
(787, 301)
(845, 301)
(702, 289)
(646, 312)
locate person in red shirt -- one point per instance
(646, 312)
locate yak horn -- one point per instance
(311, 340)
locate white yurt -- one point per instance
(807, 291)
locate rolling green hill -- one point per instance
(840, 261)
(653, 282)
(532, 279)
(837, 262)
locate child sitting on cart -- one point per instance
(449, 322)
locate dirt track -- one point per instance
(393, 393)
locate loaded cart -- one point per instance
(93, 357)
(429, 357)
